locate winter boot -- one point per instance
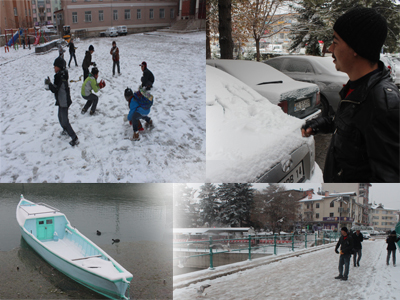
(149, 124)
(84, 110)
(74, 142)
(343, 278)
(91, 112)
(136, 136)
(339, 277)
(64, 132)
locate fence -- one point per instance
(250, 247)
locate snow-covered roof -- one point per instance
(209, 230)
(345, 193)
(384, 208)
(316, 197)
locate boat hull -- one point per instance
(111, 289)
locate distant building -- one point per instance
(15, 14)
(383, 219)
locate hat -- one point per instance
(128, 92)
(364, 30)
(95, 71)
(59, 62)
(144, 64)
(91, 48)
(344, 229)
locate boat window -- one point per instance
(41, 222)
(49, 221)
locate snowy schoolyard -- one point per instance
(33, 149)
(307, 276)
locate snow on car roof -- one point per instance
(246, 134)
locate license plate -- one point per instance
(303, 104)
(297, 174)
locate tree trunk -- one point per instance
(225, 29)
(258, 48)
(208, 47)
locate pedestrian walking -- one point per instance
(29, 42)
(72, 49)
(391, 240)
(115, 57)
(148, 77)
(365, 141)
(87, 62)
(346, 245)
(61, 92)
(357, 240)
(88, 85)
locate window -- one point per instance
(331, 215)
(300, 66)
(151, 13)
(49, 221)
(15, 11)
(33, 2)
(115, 14)
(29, 12)
(41, 222)
(127, 14)
(48, 1)
(48, 18)
(35, 20)
(332, 204)
(101, 15)
(74, 17)
(48, 10)
(317, 216)
(316, 205)
(26, 13)
(162, 13)
(384, 223)
(88, 16)
(172, 13)
(34, 11)
(73, 0)
(139, 14)
(308, 206)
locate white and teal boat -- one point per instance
(51, 235)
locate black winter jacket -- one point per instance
(87, 61)
(346, 245)
(60, 89)
(357, 239)
(391, 240)
(71, 47)
(147, 78)
(365, 141)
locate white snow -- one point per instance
(246, 134)
(306, 276)
(32, 149)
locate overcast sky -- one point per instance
(386, 193)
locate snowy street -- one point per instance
(33, 149)
(307, 276)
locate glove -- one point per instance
(102, 84)
(47, 81)
(309, 124)
(336, 251)
(130, 122)
(94, 64)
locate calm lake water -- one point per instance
(140, 215)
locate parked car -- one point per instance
(121, 30)
(111, 31)
(366, 235)
(296, 98)
(318, 70)
(249, 139)
(387, 60)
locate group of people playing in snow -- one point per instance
(139, 102)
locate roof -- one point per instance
(209, 230)
(316, 197)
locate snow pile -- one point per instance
(32, 149)
(246, 134)
(308, 276)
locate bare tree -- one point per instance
(225, 28)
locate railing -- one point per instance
(261, 245)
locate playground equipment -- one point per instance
(14, 38)
(397, 229)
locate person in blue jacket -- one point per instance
(139, 104)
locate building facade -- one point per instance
(383, 219)
(15, 14)
(329, 211)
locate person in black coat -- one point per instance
(391, 247)
(72, 52)
(61, 92)
(346, 247)
(357, 240)
(87, 62)
(365, 144)
(148, 77)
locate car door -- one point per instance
(299, 69)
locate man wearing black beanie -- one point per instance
(365, 141)
(346, 245)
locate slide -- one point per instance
(14, 38)
(36, 40)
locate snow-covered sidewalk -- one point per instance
(32, 149)
(307, 276)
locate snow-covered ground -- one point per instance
(307, 276)
(32, 149)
